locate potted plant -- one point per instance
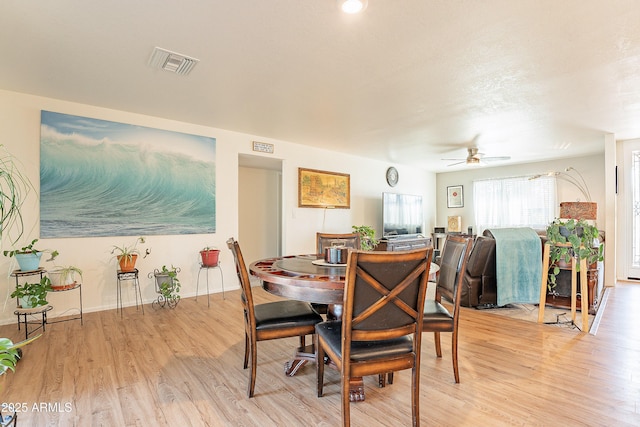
(368, 240)
(568, 239)
(127, 255)
(209, 256)
(33, 295)
(10, 353)
(64, 277)
(167, 285)
(28, 256)
(14, 187)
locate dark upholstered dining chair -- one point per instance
(437, 318)
(324, 240)
(280, 319)
(381, 325)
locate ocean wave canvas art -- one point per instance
(102, 178)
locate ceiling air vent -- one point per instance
(172, 61)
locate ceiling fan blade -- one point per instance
(496, 158)
(457, 163)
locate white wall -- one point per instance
(20, 133)
(591, 167)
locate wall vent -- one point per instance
(171, 61)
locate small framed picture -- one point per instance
(455, 198)
(454, 224)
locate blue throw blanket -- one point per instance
(518, 265)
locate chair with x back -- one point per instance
(325, 240)
(437, 318)
(381, 325)
(280, 319)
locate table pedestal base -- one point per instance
(306, 354)
(301, 356)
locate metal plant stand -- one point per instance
(160, 278)
(206, 268)
(31, 316)
(131, 276)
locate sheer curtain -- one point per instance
(514, 202)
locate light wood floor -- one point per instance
(183, 367)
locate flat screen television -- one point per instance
(401, 215)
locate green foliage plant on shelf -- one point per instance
(569, 239)
(63, 277)
(31, 249)
(33, 294)
(368, 240)
(170, 289)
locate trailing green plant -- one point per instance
(569, 239)
(127, 251)
(14, 188)
(30, 249)
(170, 289)
(34, 293)
(368, 240)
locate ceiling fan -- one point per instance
(474, 157)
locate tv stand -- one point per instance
(403, 242)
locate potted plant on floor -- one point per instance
(368, 240)
(10, 353)
(127, 255)
(167, 285)
(33, 295)
(28, 256)
(569, 239)
(209, 256)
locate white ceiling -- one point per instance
(406, 82)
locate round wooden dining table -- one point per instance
(309, 278)
(306, 278)
(302, 277)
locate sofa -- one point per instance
(479, 287)
(479, 284)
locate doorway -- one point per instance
(630, 184)
(259, 207)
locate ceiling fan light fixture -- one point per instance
(475, 158)
(352, 6)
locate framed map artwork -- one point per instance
(321, 189)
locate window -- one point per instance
(514, 202)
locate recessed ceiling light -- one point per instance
(353, 6)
